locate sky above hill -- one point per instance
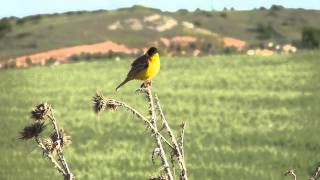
(22, 8)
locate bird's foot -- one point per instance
(144, 86)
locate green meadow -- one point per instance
(248, 117)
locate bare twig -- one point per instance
(177, 150)
(102, 104)
(61, 157)
(183, 126)
(315, 174)
(162, 153)
(50, 157)
(140, 116)
(292, 173)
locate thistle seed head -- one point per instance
(40, 111)
(32, 130)
(99, 103)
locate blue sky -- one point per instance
(22, 8)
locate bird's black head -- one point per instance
(151, 51)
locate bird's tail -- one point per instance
(121, 84)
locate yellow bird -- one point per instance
(144, 67)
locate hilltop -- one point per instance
(139, 27)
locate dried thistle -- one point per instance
(100, 104)
(65, 140)
(40, 111)
(112, 105)
(48, 144)
(32, 130)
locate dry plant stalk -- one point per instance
(175, 147)
(314, 176)
(316, 173)
(292, 173)
(52, 145)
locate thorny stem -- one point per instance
(140, 116)
(316, 173)
(291, 172)
(50, 157)
(177, 150)
(62, 159)
(162, 154)
(183, 125)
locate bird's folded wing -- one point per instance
(142, 60)
(138, 65)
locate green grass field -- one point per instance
(247, 117)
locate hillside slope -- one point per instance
(140, 27)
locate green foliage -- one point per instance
(248, 117)
(310, 38)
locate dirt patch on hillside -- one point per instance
(61, 55)
(233, 42)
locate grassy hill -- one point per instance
(247, 117)
(45, 32)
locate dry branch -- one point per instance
(102, 104)
(316, 173)
(49, 145)
(292, 173)
(47, 153)
(58, 147)
(153, 121)
(177, 150)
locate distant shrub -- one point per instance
(5, 27)
(20, 21)
(310, 38)
(223, 15)
(31, 45)
(51, 61)
(33, 19)
(183, 11)
(262, 8)
(265, 31)
(197, 23)
(96, 56)
(203, 13)
(276, 7)
(230, 50)
(23, 35)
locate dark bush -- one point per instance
(230, 50)
(276, 7)
(262, 8)
(197, 23)
(310, 38)
(5, 27)
(265, 31)
(223, 15)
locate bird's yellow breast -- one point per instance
(152, 70)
